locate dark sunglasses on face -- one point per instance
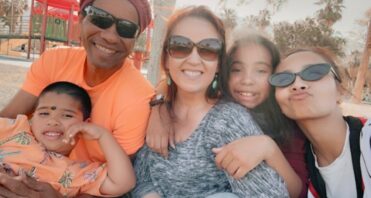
(181, 47)
(104, 20)
(311, 73)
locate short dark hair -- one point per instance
(76, 92)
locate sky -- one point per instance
(294, 10)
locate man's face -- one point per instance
(105, 47)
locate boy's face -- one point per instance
(54, 114)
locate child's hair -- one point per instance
(76, 92)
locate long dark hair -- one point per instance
(268, 114)
(198, 12)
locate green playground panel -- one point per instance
(56, 28)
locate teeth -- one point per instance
(192, 73)
(109, 51)
(53, 134)
(246, 94)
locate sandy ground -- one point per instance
(12, 77)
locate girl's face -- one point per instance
(193, 72)
(251, 68)
(307, 99)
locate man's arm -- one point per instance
(21, 103)
(24, 186)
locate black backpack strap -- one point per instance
(355, 127)
(314, 175)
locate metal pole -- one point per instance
(43, 27)
(70, 23)
(30, 30)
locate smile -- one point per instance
(246, 94)
(192, 73)
(53, 135)
(104, 49)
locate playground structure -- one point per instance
(53, 23)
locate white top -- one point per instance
(339, 176)
(365, 145)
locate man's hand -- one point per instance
(159, 132)
(24, 186)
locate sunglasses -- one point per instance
(181, 47)
(311, 73)
(104, 20)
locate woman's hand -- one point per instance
(24, 186)
(159, 134)
(242, 155)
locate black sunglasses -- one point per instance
(104, 20)
(181, 47)
(310, 73)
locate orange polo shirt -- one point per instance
(120, 103)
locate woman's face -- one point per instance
(192, 73)
(250, 70)
(302, 99)
(104, 47)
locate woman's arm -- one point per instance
(120, 174)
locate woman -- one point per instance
(192, 58)
(251, 60)
(309, 91)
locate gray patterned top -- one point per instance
(190, 170)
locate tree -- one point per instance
(307, 33)
(331, 12)
(261, 21)
(11, 11)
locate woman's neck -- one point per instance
(189, 110)
(327, 136)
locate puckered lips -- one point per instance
(299, 96)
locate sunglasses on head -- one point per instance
(104, 20)
(311, 73)
(181, 47)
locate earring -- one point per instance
(214, 84)
(168, 80)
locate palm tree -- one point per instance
(11, 11)
(362, 70)
(162, 10)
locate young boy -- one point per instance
(39, 148)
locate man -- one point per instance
(119, 93)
